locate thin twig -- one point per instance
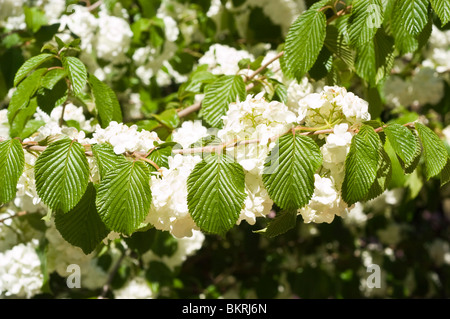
(19, 214)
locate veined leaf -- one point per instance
(409, 16)
(106, 158)
(375, 59)
(106, 102)
(304, 41)
(445, 173)
(216, 193)
(409, 168)
(12, 161)
(219, 95)
(160, 155)
(30, 65)
(62, 174)
(24, 92)
(289, 169)
(77, 73)
(82, 226)
(283, 222)
(124, 197)
(366, 18)
(402, 141)
(434, 151)
(383, 177)
(442, 9)
(52, 77)
(361, 165)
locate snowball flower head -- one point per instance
(332, 105)
(223, 59)
(20, 271)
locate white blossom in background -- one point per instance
(53, 9)
(11, 14)
(20, 271)
(136, 288)
(4, 124)
(439, 251)
(425, 86)
(223, 59)
(169, 210)
(8, 235)
(437, 55)
(356, 216)
(186, 247)
(113, 38)
(125, 138)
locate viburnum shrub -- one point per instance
(300, 127)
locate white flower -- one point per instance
(439, 251)
(325, 203)
(169, 210)
(186, 247)
(189, 133)
(223, 59)
(136, 288)
(125, 138)
(332, 105)
(11, 14)
(20, 271)
(113, 38)
(82, 23)
(4, 124)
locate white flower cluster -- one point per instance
(125, 138)
(425, 86)
(186, 247)
(20, 271)
(334, 106)
(438, 51)
(169, 210)
(136, 288)
(11, 14)
(4, 124)
(108, 36)
(223, 59)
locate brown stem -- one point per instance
(19, 214)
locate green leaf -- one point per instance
(445, 173)
(409, 168)
(30, 128)
(402, 141)
(361, 165)
(48, 99)
(289, 169)
(34, 18)
(62, 174)
(434, 151)
(12, 161)
(337, 44)
(409, 16)
(304, 41)
(366, 17)
(24, 92)
(384, 174)
(168, 118)
(124, 197)
(52, 77)
(283, 222)
(219, 95)
(216, 193)
(106, 102)
(375, 59)
(21, 118)
(160, 155)
(76, 70)
(106, 158)
(30, 65)
(442, 9)
(82, 226)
